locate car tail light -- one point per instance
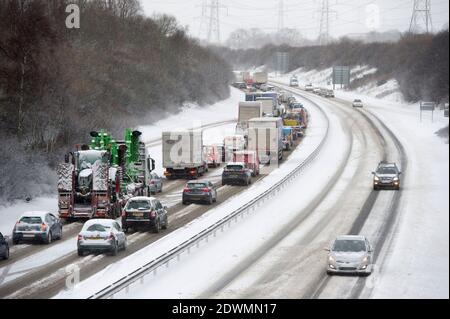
(193, 172)
(153, 214)
(43, 227)
(124, 213)
(186, 190)
(111, 236)
(153, 182)
(205, 190)
(80, 237)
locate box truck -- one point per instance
(265, 136)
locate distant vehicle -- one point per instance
(387, 175)
(350, 254)
(316, 90)
(191, 163)
(232, 144)
(357, 103)
(309, 87)
(101, 235)
(329, 93)
(247, 111)
(156, 184)
(288, 138)
(240, 85)
(293, 82)
(144, 213)
(266, 137)
(296, 106)
(250, 158)
(213, 155)
(4, 247)
(37, 226)
(236, 173)
(199, 191)
(260, 77)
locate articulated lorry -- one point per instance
(183, 155)
(96, 180)
(260, 78)
(265, 136)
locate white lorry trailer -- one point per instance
(268, 107)
(260, 77)
(183, 154)
(265, 136)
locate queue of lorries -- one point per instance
(92, 179)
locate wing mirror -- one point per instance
(399, 173)
(373, 173)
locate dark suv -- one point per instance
(236, 173)
(144, 213)
(387, 175)
(202, 191)
(4, 247)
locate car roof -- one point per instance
(35, 214)
(141, 198)
(350, 237)
(236, 163)
(105, 222)
(385, 164)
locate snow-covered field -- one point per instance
(388, 91)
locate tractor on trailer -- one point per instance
(96, 180)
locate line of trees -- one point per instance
(419, 63)
(119, 69)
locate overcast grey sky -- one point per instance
(350, 17)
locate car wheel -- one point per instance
(48, 239)
(60, 233)
(185, 202)
(166, 224)
(157, 227)
(80, 253)
(329, 273)
(210, 200)
(161, 189)
(16, 241)
(124, 246)
(115, 249)
(6, 256)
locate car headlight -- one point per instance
(376, 178)
(365, 260)
(396, 179)
(331, 260)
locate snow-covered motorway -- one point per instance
(277, 251)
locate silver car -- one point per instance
(387, 175)
(357, 103)
(101, 235)
(350, 255)
(37, 226)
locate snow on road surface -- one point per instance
(417, 261)
(9, 214)
(207, 265)
(417, 264)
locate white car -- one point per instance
(350, 255)
(309, 87)
(104, 235)
(357, 103)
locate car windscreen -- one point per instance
(31, 220)
(234, 167)
(387, 170)
(139, 204)
(98, 227)
(196, 185)
(357, 101)
(349, 245)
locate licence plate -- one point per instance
(138, 214)
(94, 238)
(28, 235)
